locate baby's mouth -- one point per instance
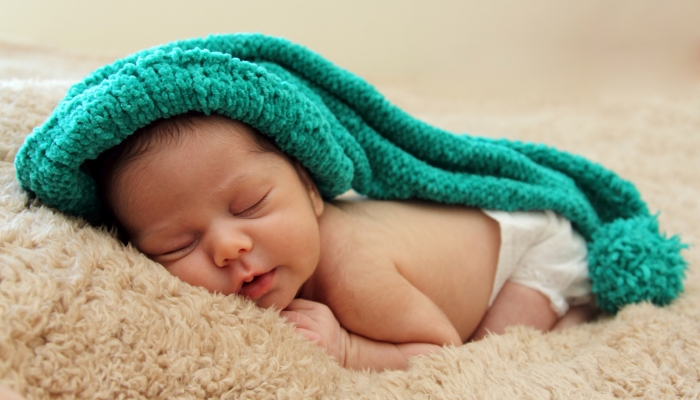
(249, 281)
(256, 286)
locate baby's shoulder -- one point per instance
(353, 229)
(355, 249)
(350, 241)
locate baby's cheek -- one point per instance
(195, 270)
(299, 229)
(180, 271)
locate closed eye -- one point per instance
(178, 252)
(250, 210)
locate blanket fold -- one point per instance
(348, 136)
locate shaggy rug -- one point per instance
(82, 316)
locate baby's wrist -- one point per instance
(344, 347)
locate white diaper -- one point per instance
(540, 250)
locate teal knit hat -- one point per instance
(348, 136)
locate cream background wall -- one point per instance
(480, 45)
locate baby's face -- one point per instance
(219, 214)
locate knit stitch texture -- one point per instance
(348, 136)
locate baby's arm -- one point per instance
(517, 305)
(317, 322)
(385, 320)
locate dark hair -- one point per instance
(163, 131)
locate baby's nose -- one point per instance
(230, 246)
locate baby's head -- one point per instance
(217, 204)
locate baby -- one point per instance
(373, 282)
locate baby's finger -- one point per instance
(297, 319)
(311, 335)
(301, 304)
(290, 316)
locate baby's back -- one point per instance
(448, 253)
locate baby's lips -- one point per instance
(243, 272)
(259, 286)
(246, 279)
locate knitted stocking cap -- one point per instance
(348, 136)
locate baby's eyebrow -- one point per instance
(155, 236)
(235, 180)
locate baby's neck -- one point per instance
(331, 224)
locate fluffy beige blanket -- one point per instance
(81, 316)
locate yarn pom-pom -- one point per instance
(630, 261)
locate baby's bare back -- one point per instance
(384, 262)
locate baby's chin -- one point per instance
(274, 300)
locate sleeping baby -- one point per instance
(373, 282)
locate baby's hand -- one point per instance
(317, 322)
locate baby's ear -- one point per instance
(316, 201)
(314, 194)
